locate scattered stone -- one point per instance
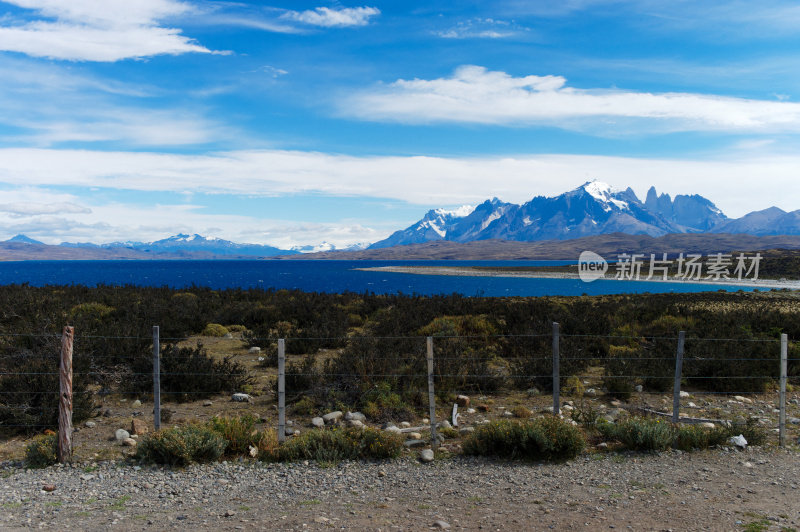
(691, 405)
(602, 445)
(138, 426)
(426, 421)
(414, 436)
(321, 520)
(90, 424)
(87, 477)
(444, 525)
(289, 431)
(508, 413)
(471, 410)
(254, 350)
(107, 412)
(242, 398)
(49, 487)
(466, 430)
(568, 408)
(355, 416)
(356, 423)
(332, 417)
(590, 392)
(483, 408)
(616, 403)
(207, 403)
(318, 422)
(404, 424)
(741, 399)
(638, 388)
(121, 434)
(392, 428)
(794, 420)
(228, 336)
(462, 400)
(445, 424)
(533, 392)
(229, 513)
(707, 425)
(426, 456)
(684, 395)
(129, 442)
(414, 443)
(136, 404)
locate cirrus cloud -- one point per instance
(334, 18)
(474, 94)
(88, 30)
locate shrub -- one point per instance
(181, 446)
(692, 437)
(521, 412)
(236, 328)
(215, 329)
(188, 374)
(41, 452)
(239, 432)
(544, 438)
(754, 433)
(640, 434)
(331, 446)
(380, 403)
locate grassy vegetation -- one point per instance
(544, 438)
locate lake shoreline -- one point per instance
(483, 272)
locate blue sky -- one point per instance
(294, 123)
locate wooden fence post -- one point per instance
(676, 390)
(782, 393)
(556, 372)
(64, 452)
(156, 378)
(281, 390)
(431, 396)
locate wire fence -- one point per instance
(687, 379)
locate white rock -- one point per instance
(404, 424)
(241, 398)
(414, 436)
(90, 424)
(332, 417)
(254, 350)
(691, 405)
(590, 392)
(445, 424)
(638, 388)
(357, 423)
(392, 428)
(122, 434)
(684, 395)
(426, 456)
(207, 403)
(318, 422)
(355, 416)
(426, 421)
(466, 430)
(739, 441)
(741, 399)
(136, 404)
(471, 410)
(444, 525)
(129, 442)
(707, 425)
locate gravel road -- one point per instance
(718, 489)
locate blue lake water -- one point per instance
(321, 276)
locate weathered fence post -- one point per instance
(556, 372)
(676, 390)
(64, 452)
(281, 390)
(156, 378)
(782, 394)
(431, 396)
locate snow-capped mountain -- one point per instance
(182, 243)
(327, 246)
(593, 208)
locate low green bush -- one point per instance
(640, 434)
(41, 452)
(335, 445)
(215, 329)
(544, 438)
(181, 446)
(754, 433)
(691, 437)
(239, 432)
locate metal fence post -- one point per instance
(782, 393)
(64, 450)
(281, 390)
(676, 390)
(156, 378)
(556, 372)
(431, 396)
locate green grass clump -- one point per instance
(41, 452)
(331, 446)
(754, 433)
(181, 446)
(693, 437)
(640, 434)
(545, 438)
(239, 432)
(215, 329)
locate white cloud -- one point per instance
(482, 28)
(738, 182)
(476, 95)
(104, 31)
(334, 18)
(21, 210)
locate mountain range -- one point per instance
(594, 208)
